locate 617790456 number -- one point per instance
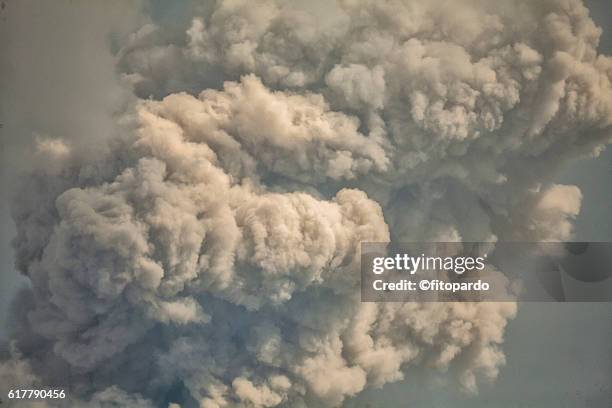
(36, 394)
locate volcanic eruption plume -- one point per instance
(210, 256)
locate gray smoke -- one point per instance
(210, 257)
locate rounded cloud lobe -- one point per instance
(211, 256)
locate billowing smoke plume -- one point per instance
(211, 257)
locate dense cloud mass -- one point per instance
(211, 256)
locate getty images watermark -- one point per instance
(484, 271)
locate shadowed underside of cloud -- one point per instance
(211, 255)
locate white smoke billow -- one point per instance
(211, 257)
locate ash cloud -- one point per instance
(209, 256)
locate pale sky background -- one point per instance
(558, 355)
